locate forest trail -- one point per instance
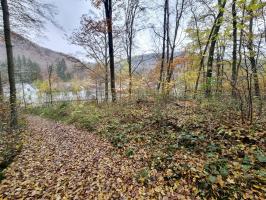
(59, 161)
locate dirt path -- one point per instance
(61, 162)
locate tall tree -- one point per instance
(165, 19)
(92, 36)
(23, 14)
(132, 8)
(1, 88)
(217, 24)
(179, 10)
(35, 72)
(21, 79)
(250, 46)
(234, 63)
(10, 64)
(61, 69)
(50, 74)
(204, 53)
(170, 34)
(109, 21)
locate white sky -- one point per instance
(69, 14)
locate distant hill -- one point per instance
(147, 62)
(42, 56)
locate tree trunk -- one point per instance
(170, 68)
(96, 91)
(131, 12)
(21, 79)
(216, 29)
(252, 55)
(234, 63)
(168, 45)
(106, 81)
(241, 38)
(108, 13)
(130, 75)
(203, 55)
(120, 85)
(164, 44)
(23, 95)
(10, 64)
(50, 72)
(1, 89)
(218, 78)
(220, 68)
(106, 84)
(129, 59)
(200, 48)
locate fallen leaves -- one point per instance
(61, 162)
(157, 152)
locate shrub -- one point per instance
(119, 140)
(130, 152)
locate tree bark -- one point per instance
(252, 55)
(1, 89)
(10, 64)
(170, 68)
(130, 75)
(200, 48)
(168, 43)
(129, 58)
(50, 72)
(164, 44)
(234, 63)
(241, 37)
(131, 12)
(23, 94)
(216, 29)
(220, 68)
(106, 81)
(218, 63)
(203, 55)
(106, 84)
(96, 91)
(108, 13)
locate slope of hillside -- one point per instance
(44, 57)
(38, 54)
(147, 62)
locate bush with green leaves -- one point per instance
(119, 140)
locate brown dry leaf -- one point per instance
(61, 162)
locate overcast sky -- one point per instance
(69, 14)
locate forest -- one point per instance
(166, 101)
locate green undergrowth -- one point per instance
(10, 140)
(10, 146)
(218, 155)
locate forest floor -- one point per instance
(143, 150)
(59, 161)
